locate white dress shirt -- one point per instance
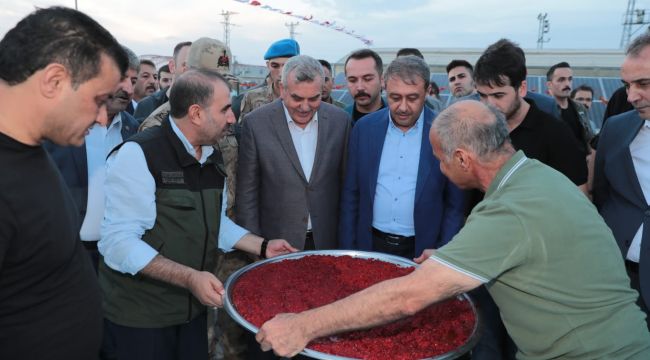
(640, 150)
(99, 143)
(304, 141)
(131, 209)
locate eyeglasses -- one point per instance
(583, 99)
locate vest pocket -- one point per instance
(176, 199)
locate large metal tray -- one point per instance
(399, 261)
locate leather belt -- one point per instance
(632, 266)
(392, 238)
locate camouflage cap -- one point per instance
(209, 54)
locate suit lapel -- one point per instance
(79, 155)
(426, 158)
(281, 129)
(323, 134)
(627, 165)
(127, 130)
(378, 131)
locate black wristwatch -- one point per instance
(265, 243)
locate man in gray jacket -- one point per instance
(291, 161)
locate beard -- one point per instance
(513, 109)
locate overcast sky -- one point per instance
(154, 27)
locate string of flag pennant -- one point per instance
(310, 19)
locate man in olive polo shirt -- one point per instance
(538, 244)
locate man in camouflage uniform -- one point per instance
(225, 337)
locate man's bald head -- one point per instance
(472, 126)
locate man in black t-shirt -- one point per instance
(500, 76)
(57, 69)
(363, 72)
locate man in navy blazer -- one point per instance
(621, 189)
(395, 199)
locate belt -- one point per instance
(392, 238)
(90, 245)
(632, 266)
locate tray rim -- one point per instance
(393, 259)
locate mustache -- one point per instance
(360, 94)
(567, 88)
(120, 94)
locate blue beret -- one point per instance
(282, 48)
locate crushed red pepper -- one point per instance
(296, 285)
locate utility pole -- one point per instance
(631, 18)
(226, 26)
(292, 29)
(543, 28)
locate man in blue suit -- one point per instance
(622, 171)
(82, 167)
(395, 199)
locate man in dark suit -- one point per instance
(395, 199)
(622, 171)
(291, 161)
(82, 167)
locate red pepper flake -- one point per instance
(296, 285)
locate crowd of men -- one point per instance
(131, 193)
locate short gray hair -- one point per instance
(134, 62)
(304, 68)
(638, 44)
(455, 129)
(407, 68)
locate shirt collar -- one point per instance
(506, 171)
(206, 150)
(116, 123)
(532, 114)
(358, 114)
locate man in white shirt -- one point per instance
(622, 170)
(163, 223)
